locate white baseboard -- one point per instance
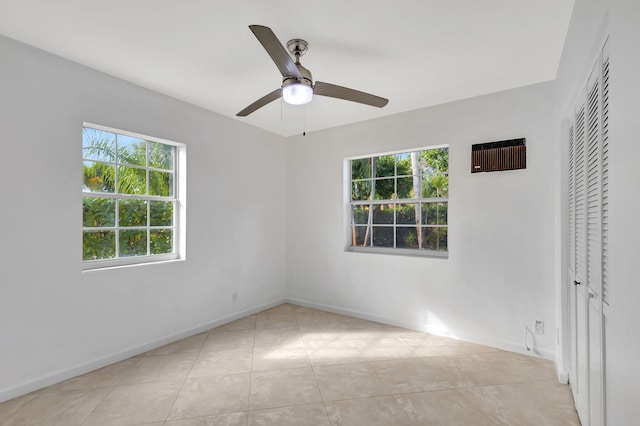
(68, 373)
(494, 343)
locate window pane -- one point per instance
(384, 189)
(359, 234)
(435, 160)
(98, 212)
(403, 164)
(435, 185)
(360, 214)
(361, 190)
(434, 239)
(98, 245)
(383, 214)
(132, 181)
(434, 214)
(385, 165)
(98, 177)
(161, 213)
(132, 212)
(361, 168)
(382, 236)
(406, 214)
(161, 241)
(133, 243)
(132, 150)
(406, 237)
(98, 145)
(160, 183)
(405, 187)
(161, 155)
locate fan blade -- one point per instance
(260, 103)
(274, 48)
(334, 91)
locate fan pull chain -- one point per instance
(304, 122)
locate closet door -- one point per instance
(588, 209)
(580, 378)
(594, 246)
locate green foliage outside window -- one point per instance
(414, 187)
(121, 177)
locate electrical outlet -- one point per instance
(539, 327)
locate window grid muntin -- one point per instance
(118, 196)
(418, 202)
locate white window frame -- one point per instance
(348, 203)
(179, 210)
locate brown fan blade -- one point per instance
(274, 48)
(260, 103)
(334, 91)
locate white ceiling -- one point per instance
(416, 53)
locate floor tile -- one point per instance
(231, 419)
(413, 375)
(228, 339)
(108, 376)
(160, 368)
(209, 396)
(494, 368)
(296, 365)
(532, 403)
(380, 411)
(442, 408)
(281, 388)
(246, 323)
(286, 336)
(57, 408)
(275, 319)
(322, 353)
(307, 415)
(8, 408)
(222, 361)
(279, 357)
(191, 344)
(134, 404)
(349, 381)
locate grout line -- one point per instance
(187, 376)
(253, 354)
(313, 370)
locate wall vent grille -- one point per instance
(498, 156)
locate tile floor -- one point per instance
(297, 366)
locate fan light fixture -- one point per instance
(298, 86)
(297, 94)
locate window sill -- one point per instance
(91, 267)
(399, 252)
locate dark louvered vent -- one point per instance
(498, 156)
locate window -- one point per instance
(399, 202)
(130, 198)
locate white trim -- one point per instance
(131, 134)
(398, 251)
(398, 151)
(61, 375)
(494, 343)
(178, 199)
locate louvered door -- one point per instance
(588, 185)
(588, 211)
(580, 378)
(594, 246)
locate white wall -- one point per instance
(56, 321)
(499, 276)
(591, 21)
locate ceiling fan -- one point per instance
(298, 87)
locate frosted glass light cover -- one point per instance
(297, 94)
